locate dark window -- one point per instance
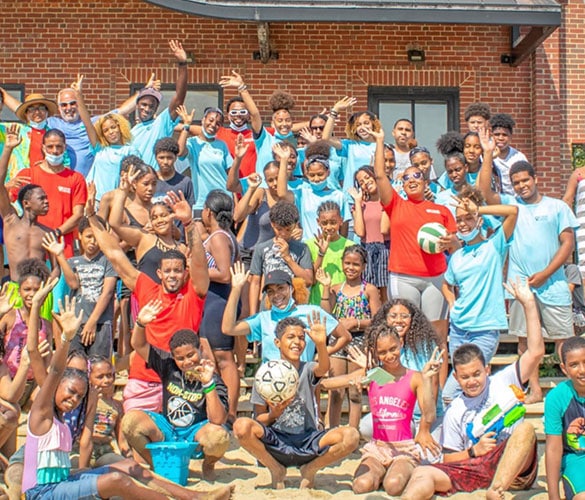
(16, 90)
(433, 110)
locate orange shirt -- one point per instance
(183, 309)
(406, 218)
(229, 136)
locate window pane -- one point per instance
(16, 91)
(392, 111)
(430, 124)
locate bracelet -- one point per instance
(185, 226)
(209, 388)
(333, 113)
(64, 338)
(324, 298)
(321, 254)
(139, 324)
(186, 127)
(58, 232)
(90, 215)
(182, 63)
(242, 87)
(471, 452)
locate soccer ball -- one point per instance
(429, 235)
(276, 381)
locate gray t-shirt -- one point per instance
(301, 416)
(267, 258)
(574, 278)
(92, 274)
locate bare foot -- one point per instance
(208, 470)
(533, 397)
(495, 493)
(307, 477)
(278, 476)
(223, 493)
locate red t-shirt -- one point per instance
(406, 218)
(35, 153)
(183, 309)
(65, 190)
(229, 136)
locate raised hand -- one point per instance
(306, 134)
(178, 51)
(357, 195)
(433, 366)
(323, 277)
(133, 175)
(43, 292)
(357, 356)
(241, 148)
(233, 80)
(153, 83)
(186, 118)
(90, 202)
(239, 275)
(343, 104)
(205, 371)
(6, 302)
(467, 205)
(486, 140)
(44, 348)
(13, 137)
(322, 242)
(254, 180)
(379, 135)
(53, 245)
(149, 311)
(317, 330)
(520, 290)
(180, 207)
(67, 319)
(280, 153)
(77, 84)
(18, 182)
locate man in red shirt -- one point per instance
(65, 189)
(182, 292)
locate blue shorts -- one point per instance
(82, 486)
(293, 450)
(572, 474)
(177, 434)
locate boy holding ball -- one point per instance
(288, 434)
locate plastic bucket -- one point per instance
(171, 460)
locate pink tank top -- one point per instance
(15, 342)
(392, 406)
(372, 220)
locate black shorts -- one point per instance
(293, 450)
(210, 327)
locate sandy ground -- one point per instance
(251, 482)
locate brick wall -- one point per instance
(114, 43)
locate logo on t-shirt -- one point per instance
(64, 189)
(432, 211)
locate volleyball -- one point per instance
(276, 381)
(429, 235)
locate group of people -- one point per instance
(289, 243)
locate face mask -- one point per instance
(278, 314)
(283, 137)
(54, 160)
(318, 187)
(207, 136)
(38, 125)
(470, 236)
(240, 128)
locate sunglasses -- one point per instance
(238, 112)
(414, 175)
(321, 128)
(33, 109)
(67, 104)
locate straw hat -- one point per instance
(33, 99)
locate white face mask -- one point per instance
(54, 160)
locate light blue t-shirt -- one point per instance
(105, 171)
(445, 198)
(145, 135)
(358, 154)
(447, 183)
(264, 143)
(308, 200)
(477, 271)
(263, 327)
(210, 162)
(80, 150)
(336, 168)
(536, 241)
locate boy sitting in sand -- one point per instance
(288, 435)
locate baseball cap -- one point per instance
(148, 91)
(277, 277)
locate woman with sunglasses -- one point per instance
(415, 275)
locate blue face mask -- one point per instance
(470, 236)
(283, 137)
(207, 136)
(277, 314)
(54, 160)
(38, 125)
(318, 187)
